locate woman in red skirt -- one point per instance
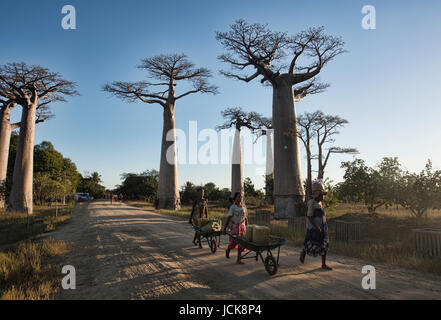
(237, 219)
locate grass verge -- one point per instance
(29, 268)
(16, 227)
(24, 273)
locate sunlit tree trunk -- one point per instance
(236, 166)
(168, 191)
(21, 193)
(269, 153)
(5, 137)
(288, 187)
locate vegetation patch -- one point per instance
(16, 227)
(24, 273)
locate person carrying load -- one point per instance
(237, 217)
(317, 237)
(199, 211)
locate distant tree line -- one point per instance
(143, 186)
(56, 178)
(387, 184)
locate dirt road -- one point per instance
(122, 252)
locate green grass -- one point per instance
(29, 269)
(15, 227)
(24, 273)
(387, 235)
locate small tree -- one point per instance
(91, 184)
(269, 188)
(326, 127)
(143, 186)
(421, 192)
(372, 186)
(189, 193)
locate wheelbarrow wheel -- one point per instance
(270, 265)
(213, 245)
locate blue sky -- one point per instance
(387, 86)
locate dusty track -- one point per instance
(122, 252)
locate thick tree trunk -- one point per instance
(309, 174)
(236, 166)
(321, 168)
(288, 187)
(269, 162)
(5, 137)
(21, 194)
(168, 192)
(269, 153)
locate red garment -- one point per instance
(238, 229)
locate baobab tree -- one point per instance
(306, 132)
(237, 118)
(166, 71)
(5, 136)
(325, 128)
(6, 128)
(268, 53)
(31, 87)
(266, 129)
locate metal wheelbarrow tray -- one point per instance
(270, 262)
(212, 237)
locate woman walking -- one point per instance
(237, 219)
(317, 236)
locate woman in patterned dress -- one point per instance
(237, 219)
(317, 235)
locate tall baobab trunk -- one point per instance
(309, 173)
(269, 170)
(269, 153)
(236, 166)
(21, 193)
(5, 137)
(288, 187)
(321, 169)
(168, 192)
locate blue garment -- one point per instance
(317, 243)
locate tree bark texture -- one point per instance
(236, 166)
(269, 153)
(21, 193)
(168, 192)
(288, 186)
(5, 137)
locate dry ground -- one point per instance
(123, 252)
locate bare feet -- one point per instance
(302, 257)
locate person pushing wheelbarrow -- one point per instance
(199, 211)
